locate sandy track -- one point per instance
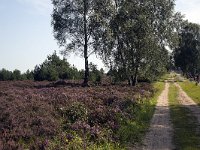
(159, 136)
(187, 102)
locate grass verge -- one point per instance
(133, 131)
(185, 125)
(170, 76)
(192, 90)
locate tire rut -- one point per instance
(187, 102)
(159, 136)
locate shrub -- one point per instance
(76, 111)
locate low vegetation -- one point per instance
(185, 125)
(192, 90)
(133, 131)
(37, 116)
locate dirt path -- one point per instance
(187, 102)
(159, 136)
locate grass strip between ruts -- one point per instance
(192, 90)
(186, 135)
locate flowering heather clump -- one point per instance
(36, 116)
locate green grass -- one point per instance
(192, 90)
(168, 75)
(165, 77)
(134, 131)
(185, 125)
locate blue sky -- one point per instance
(26, 36)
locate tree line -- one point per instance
(52, 69)
(6, 75)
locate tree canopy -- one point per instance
(76, 23)
(54, 68)
(187, 54)
(130, 36)
(137, 36)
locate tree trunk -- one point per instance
(85, 83)
(197, 79)
(131, 80)
(135, 81)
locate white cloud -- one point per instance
(43, 7)
(190, 8)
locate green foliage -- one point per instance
(54, 68)
(129, 36)
(77, 111)
(51, 69)
(5, 75)
(29, 75)
(75, 142)
(106, 146)
(187, 54)
(16, 75)
(69, 141)
(136, 37)
(53, 74)
(117, 75)
(133, 130)
(77, 26)
(95, 75)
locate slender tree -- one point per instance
(76, 25)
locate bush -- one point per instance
(95, 75)
(76, 111)
(54, 68)
(5, 75)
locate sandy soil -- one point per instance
(159, 136)
(186, 101)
